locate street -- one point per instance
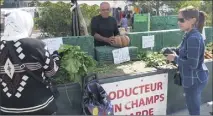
(205, 109)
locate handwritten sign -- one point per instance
(148, 41)
(121, 55)
(143, 96)
(53, 44)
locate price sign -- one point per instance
(148, 41)
(121, 55)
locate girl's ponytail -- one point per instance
(201, 21)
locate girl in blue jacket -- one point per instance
(190, 57)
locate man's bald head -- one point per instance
(104, 4)
(105, 9)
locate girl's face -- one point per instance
(185, 24)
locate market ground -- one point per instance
(205, 109)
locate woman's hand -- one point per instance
(171, 57)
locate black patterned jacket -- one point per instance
(20, 93)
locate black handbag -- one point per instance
(177, 78)
(49, 82)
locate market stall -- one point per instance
(135, 87)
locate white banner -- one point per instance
(139, 96)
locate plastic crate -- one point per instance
(163, 38)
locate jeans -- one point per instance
(193, 97)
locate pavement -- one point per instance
(205, 109)
(35, 35)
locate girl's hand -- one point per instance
(171, 57)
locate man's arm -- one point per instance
(100, 38)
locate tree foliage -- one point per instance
(205, 6)
(1, 2)
(88, 12)
(34, 3)
(56, 18)
(151, 5)
(182, 4)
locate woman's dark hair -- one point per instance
(124, 15)
(128, 16)
(191, 12)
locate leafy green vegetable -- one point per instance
(74, 64)
(153, 59)
(209, 47)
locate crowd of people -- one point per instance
(23, 93)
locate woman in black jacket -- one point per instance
(20, 92)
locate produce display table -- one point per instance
(156, 95)
(132, 88)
